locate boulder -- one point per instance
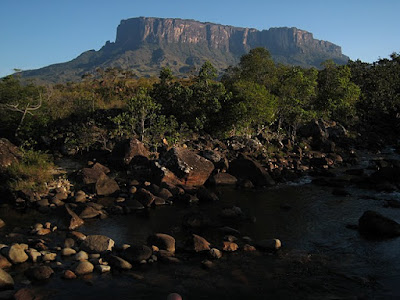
(6, 281)
(219, 160)
(145, 197)
(223, 179)
(16, 254)
(69, 243)
(229, 246)
(34, 254)
(118, 263)
(337, 132)
(249, 248)
(91, 175)
(89, 213)
(125, 151)
(245, 168)
(9, 154)
(48, 256)
(163, 193)
(80, 197)
(375, 224)
(84, 267)
(200, 243)
(68, 252)
(106, 186)
(97, 244)
(78, 235)
(81, 256)
(215, 253)
(187, 167)
(137, 253)
(162, 241)
(100, 167)
(4, 263)
(206, 195)
(315, 129)
(73, 220)
(269, 244)
(39, 273)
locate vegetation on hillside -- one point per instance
(256, 96)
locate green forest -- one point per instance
(255, 97)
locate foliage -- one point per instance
(337, 94)
(296, 92)
(256, 95)
(380, 85)
(253, 106)
(17, 103)
(256, 66)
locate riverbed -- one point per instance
(321, 256)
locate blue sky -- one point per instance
(36, 33)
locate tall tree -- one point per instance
(337, 94)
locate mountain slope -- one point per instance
(144, 45)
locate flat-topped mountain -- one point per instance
(144, 45)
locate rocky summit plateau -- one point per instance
(145, 45)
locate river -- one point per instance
(320, 258)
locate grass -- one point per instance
(32, 172)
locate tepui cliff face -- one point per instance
(145, 45)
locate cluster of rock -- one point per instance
(132, 181)
(78, 254)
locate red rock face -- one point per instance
(185, 167)
(226, 38)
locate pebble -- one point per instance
(103, 268)
(215, 253)
(68, 274)
(48, 256)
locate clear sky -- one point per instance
(36, 33)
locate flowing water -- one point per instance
(320, 257)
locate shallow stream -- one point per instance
(320, 257)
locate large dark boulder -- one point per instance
(223, 179)
(125, 151)
(375, 224)
(6, 281)
(162, 241)
(9, 154)
(97, 244)
(137, 253)
(315, 129)
(145, 197)
(39, 272)
(91, 175)
(183, 166)
(106, 186)
(246, 168)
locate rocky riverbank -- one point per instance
(133, 181)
